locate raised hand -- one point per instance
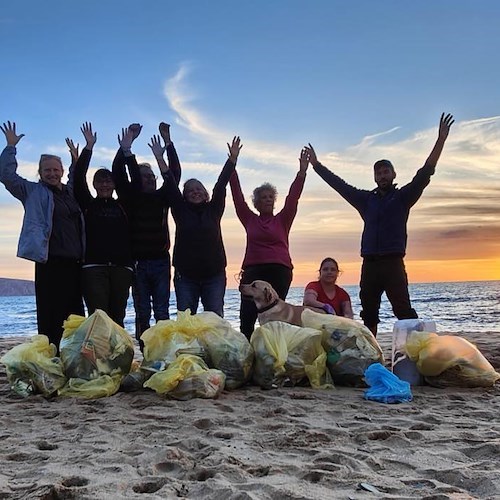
(313, 159)
(234, 148)
(90, 137)
(164, 129)
(73, 150)
(126, 139)
(135, 128)
(9, 129)
(445, 123)
(303, 160)
(156, 146)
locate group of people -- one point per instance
(97, 247)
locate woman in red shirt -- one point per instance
(326, 294)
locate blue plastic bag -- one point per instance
(385, 387)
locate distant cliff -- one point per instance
(11, 287)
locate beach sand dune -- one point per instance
(290, 443)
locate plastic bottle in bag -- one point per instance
(402, 365)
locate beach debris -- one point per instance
(289, 355)
(33, 368)
(450, 361)
(206, 335)
(385, 387)
(96, 354)
(351, 348)
(187, 377)
(368, 487)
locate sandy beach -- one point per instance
(289, 443)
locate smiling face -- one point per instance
(51, 171)
(195, 192)
(103, 184)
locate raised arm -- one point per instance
(173, 158)
(158, 150)
(219, 191)
(242, 209)
(78, 170)
(15, 184)
(73, 150)
(356, 197)
(289, 210)
(124, 157)
(445, 124)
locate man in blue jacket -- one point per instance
(385, 212)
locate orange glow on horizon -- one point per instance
(419, 271)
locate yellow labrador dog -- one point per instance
(270, 307)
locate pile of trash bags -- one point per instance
(201, 355)
(195, 356)
(95, 354)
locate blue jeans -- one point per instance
(211, 292)
(152, 284)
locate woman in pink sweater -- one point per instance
(267, 255)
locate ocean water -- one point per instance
(455, 307)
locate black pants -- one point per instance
(280, 278)
(385, 274)
(107, 288)
(58, 294)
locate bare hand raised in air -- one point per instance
(126, 139)
(313, 159)
(9, 129)
(234, 148)
(156, 147)
(303, 160)
(73, 150)
(445, 123)
(90, 137)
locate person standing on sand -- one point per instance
(326, 294)
(267, 253)
(147, 208)
(385, 211)
(108, 268)
(199, 256)
(52, 235)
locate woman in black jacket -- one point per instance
(199, 256)
(108, 267)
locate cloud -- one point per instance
(181, 99)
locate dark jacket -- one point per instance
(384, 215)
(199, 251)
(147, 211)
(106, 223)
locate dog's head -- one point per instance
(261, 292)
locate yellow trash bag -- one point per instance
(92, 348)
(287, 354)
(185, 367)
(449, 361)
(32, 367)
(163, 340)
(350, 347)
(228, 349)
(206, 335)
(100, 387)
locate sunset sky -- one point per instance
(360, 80)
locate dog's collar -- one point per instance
(270, 306)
